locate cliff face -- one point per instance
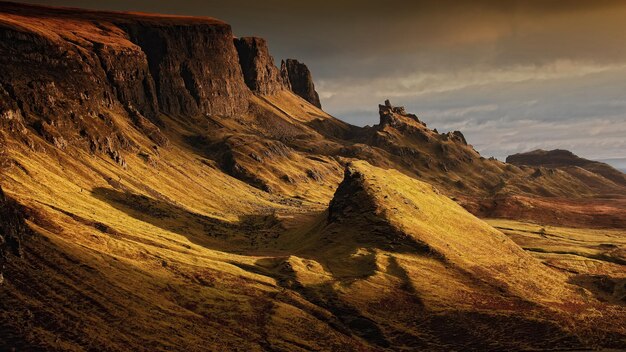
(65, 67)
(55, 85)
(301, 81)
(127, 72)
(259, 71)
(63, 71)
(194, 67)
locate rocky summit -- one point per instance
(167, 186)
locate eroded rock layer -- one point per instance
(175, 65)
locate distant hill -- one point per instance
(559, 158)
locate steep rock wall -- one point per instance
(65, 64)
(259, 71)
(12, 230)
(195, 67)
(301, 81)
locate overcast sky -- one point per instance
(511, 75)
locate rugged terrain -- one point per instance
(167, 186)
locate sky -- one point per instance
(513, 76)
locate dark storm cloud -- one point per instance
(513, 75)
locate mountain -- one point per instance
(229, 102)
(166, 186)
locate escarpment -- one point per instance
(559, 158)
(67, 73)
(194, 67)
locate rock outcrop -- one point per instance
(259, 71)
(455, 136)
(301, 81)
(392, 115)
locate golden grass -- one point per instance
(578, 250)
(177, 245)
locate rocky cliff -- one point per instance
(177, 65)
(301, 81)
(194, 66)
(259, 71)
(64, 71)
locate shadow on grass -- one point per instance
(443, 329)
(239, 237)
(250, 233)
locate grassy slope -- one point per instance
(172, 243)
(132, 254)
(469, 270)
(590, 257)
